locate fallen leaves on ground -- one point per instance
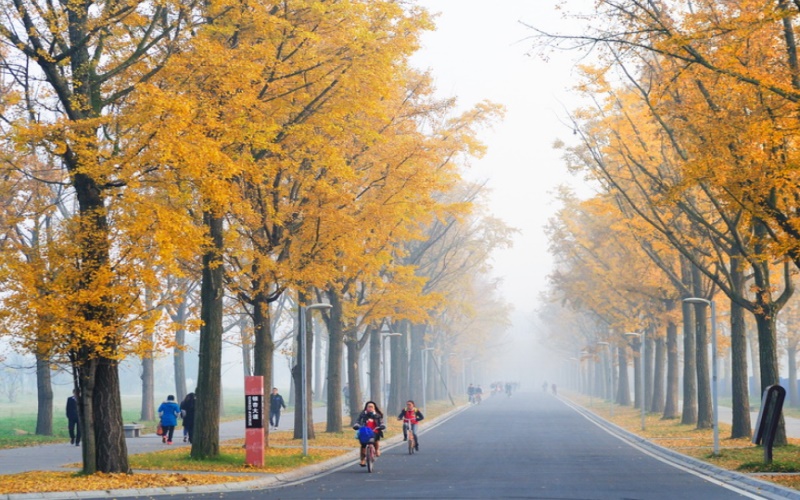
(42, 482)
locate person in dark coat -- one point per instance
(73, 419)
(187, 413)
(275, 405)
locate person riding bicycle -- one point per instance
(411, 414)
(372, 418)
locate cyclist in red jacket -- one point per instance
(414, 416)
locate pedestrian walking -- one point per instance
(187, 414)
(275, 405)
(169, 411)
(73, 419)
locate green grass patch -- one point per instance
(232, 459)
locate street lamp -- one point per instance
(304, 369)
(383, 355)
(425, 375)
(643, 390)
(714, 399)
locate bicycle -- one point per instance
(407, 430)
(370, 455)
(370, 452)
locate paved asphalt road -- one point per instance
(527, 446)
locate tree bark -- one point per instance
(623, 382)
(375, 366)
(306, 356)
(112, 450)
(689, 413)
(179, 354)
(671, 407)
(659, 368)
(148, 387)
(44, 396)
(705, 418)
(739, 381)
(335, 354)
(399, 365)
(205, 442)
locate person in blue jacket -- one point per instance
(169, 411)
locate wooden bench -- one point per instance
(132, 430)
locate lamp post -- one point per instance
(425, 375)
(607, 368)
(383, 363)
(643, 389)
(714, 398)
(304, 369)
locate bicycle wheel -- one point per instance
(411, 443)
(370, 456)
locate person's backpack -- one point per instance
(365, 434)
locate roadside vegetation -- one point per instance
(738, 454)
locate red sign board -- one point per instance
(254, 420)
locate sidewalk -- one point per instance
(57, 456)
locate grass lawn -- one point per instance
(18, 425)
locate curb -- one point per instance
(739, 480)
(268, 481)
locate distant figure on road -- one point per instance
(169, 411)
(555, 390)
(471, 393)
(544, 386)
(275, 405)
(187, 413)
(73, 419)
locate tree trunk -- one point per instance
(689, 414)
(297, 374)
(178, 354)
(739, 379)
(85, 375)
(205, 442)
(335, 355)
(263, 349)
(623, 382)
(638, 382)
(399, 365)
(791, 352)
(415, 362)
(375, 367)
(148, 387)
(148, 367)
(354, 379)
(44, 396)
(671, 408)
(112, 450)
(768, 351)
(705, 417)
(755, 361)
(659, 368)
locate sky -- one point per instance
(482, 51)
